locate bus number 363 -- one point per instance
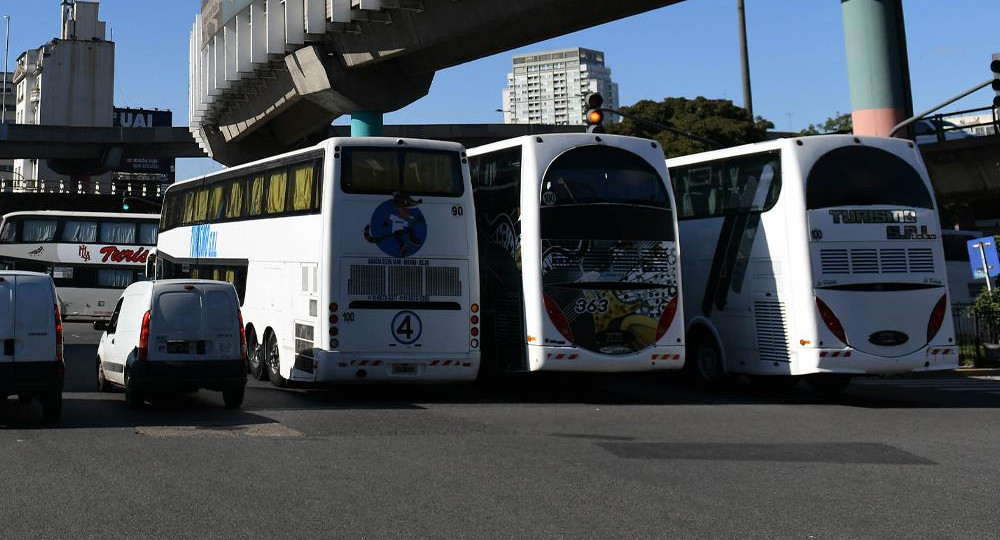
(595, 305)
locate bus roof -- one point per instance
(776, 144)
(581, 138)
(68, 213)
(327, 145)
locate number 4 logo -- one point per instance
(406, 327)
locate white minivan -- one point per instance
(31, 334)
(174, 335)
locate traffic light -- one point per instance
(995, 66)
(595, 114)
(125, 205)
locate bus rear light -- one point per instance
(475, 308)
(334, 331)
(558, 318)
(334, 343)
(475, 319)
(334, 307)
(243, 338)
(144, 338)
(59, 334)
(937, 318)
(474, 332)
(475, 343)
(666, 319)
(334, 319)
(831, 321)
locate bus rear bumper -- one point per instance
(543, 358)
(332, 366)
(849, 361)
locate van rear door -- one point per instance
(34, 324)
(7, 341)
(194, 322)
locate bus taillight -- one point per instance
(558, 318)
(937, 317)
(831, 320)
(666, 319)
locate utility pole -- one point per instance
(6, 47)
(745, 59)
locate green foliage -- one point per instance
(987, 304)
(714, 119)
(842, 123)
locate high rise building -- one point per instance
(549, 87)
(69, 81)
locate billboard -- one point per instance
(144, 118)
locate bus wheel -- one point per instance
(255, 353)
(828, 384)
(273, 362)
(705, 364)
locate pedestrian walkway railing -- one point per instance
(977, 334)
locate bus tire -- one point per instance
(255, 353)
(103, 384)
(705, 361)
(828, 384)
(273, 361)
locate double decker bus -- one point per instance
(578, 239)
(816, 256)
(354, 260)
(91, 256)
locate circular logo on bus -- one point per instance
(397, 227)
(406, 327)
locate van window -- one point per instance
(5, 306)
(178, 311)
(220, 311)
(30, 314)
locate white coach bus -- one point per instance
(816, 256)
(91, 256)
(354, 260)
(578, 239)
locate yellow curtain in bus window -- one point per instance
(231, 276)
(257, 196)
(189, 198)
(303, 188)
(234, 205)
(276, 192)
(201, 205)
(215, 200)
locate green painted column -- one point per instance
(366, 124)
(877, 68)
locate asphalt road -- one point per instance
(535, 457)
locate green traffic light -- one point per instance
(125, 207)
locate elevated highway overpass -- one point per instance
(266, 74)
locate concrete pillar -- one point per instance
(366, 124)
(876, 65)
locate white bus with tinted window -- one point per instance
(354, 260)
(91, 256)
(817, 257)
(578, 240)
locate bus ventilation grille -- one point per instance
(772, 331)
(373, 280)
(877, 261)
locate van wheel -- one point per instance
(233, 397)
(704, 365)
(274, 362)
(52, 407)
(133, 398)
(828, 384)
(255, 354)
(103, 384)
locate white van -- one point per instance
(174, 334)
(31, 341)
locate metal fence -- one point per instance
(977, 335)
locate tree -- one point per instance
(714, 119)
(841, 123)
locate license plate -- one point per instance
(404, 369)
(178, 347)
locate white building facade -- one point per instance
(549, 87)
(67, 82)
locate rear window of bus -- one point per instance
(401, 170)
(864, 176)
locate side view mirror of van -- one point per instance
(101, 325)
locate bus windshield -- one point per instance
(402, 170)
(864, 176)
(602, 174)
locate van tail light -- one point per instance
(831, 321)
(144, 338)
(937, 318)
(558, 318)
(666, 319)
(59, 334)
(243, 338)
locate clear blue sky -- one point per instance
(690, 49)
